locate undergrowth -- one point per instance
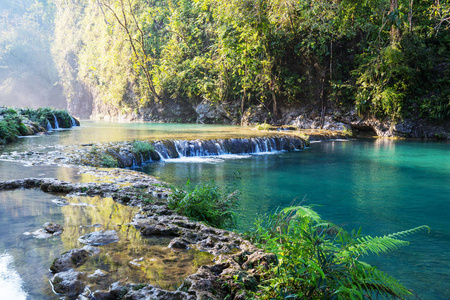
(142, 147)
(319, 260)
(263, 126)
(206, 202)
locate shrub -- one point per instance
(318, 260)
(206, 202)
(263, 126)
(142, 147)
(108, 161)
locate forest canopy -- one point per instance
(386, 58)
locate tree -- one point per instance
(124, 12)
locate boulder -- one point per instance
(208, 112)
(160, 230)
(179, 243)
(53, 228)
(69, 283)
(69, 260)
(99, 238)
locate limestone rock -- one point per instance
(160, 230)
(208, 112)
(53, 228)
(99, 238)
(69, 260)
(69, 283)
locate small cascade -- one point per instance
(190, 148)
(74, 123)
(56, 122)
(49, 126)
(173, 149)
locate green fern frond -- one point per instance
(303, 212)
(373, 280)
(408, 232)
(384, 244)
(376, 245)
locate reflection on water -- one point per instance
(382, 185)
(100, 132)
(27, 210)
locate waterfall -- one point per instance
(169, 149)
(174, 149)
(56, 122)
(49, 126)
(73, 121)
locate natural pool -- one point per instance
(381, 185)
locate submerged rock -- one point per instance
(69, 283)
(139, 291)
(69, 260)
(60, 202)
(98, 273)
(52, 228)
(99, 238)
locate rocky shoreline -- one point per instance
(234, 257)
(238, 265)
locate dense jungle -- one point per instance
(241, 62)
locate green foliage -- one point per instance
(318, 260)
(269, 53)
(44, 115)
(206, 202)
(263, 126)
(404, 80)
(11, 125)
(108, 161)
(142, 147)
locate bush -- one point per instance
(263, 126)
(108, 161)
(48, 114)
(11, 126)
(318, 260)
(142, 147)
(206, 202)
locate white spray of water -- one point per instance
(10, 281)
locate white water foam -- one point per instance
(207, 159)
(269, 152)
(10, 281)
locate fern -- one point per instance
(318, 260)
(387, 243)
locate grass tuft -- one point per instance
(206, 202)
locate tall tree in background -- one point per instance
(124, 12)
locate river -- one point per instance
(381, 185)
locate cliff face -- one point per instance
(300, 116)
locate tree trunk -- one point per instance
(275, 107)
(242, 107)
(395, 31)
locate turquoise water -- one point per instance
(380, 185)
